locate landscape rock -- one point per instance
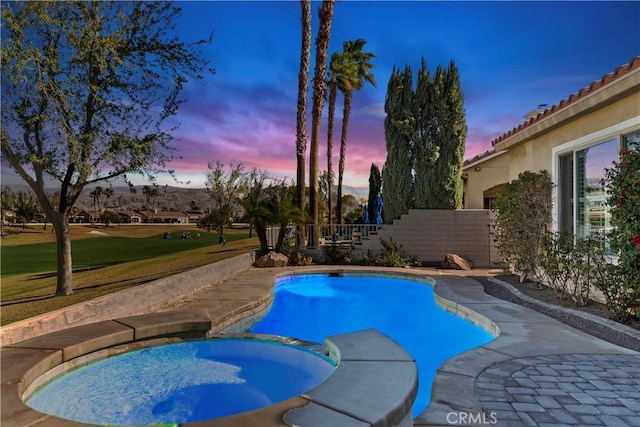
(456, 262)
(271, 259)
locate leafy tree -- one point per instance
(7, 203)
(225, 188)
(110, 217)
(375, 184)
(216, 220)
(322, 46)
(86, 89)
(349, 204)
(25, 207)
(301, 112)
(354, 217)
(397, 179)
(357, 71)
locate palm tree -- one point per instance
(322, 47)
(303, 87)
(335, 73)
(96, 193)
(150, 194)
(108, 193)
(356, 70)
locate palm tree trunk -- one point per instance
(322, 47)
(303, 87)
(343, 149)
(333, 92)
(301, 115)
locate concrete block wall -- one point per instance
(430, 234)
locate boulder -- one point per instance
(271, 259)
(456, 262)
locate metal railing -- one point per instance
(329, 234)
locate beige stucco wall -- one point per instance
(535, 152)
(482, 177)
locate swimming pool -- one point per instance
(183, 382)
(314, 306)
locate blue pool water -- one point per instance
(183, 382)
(312, 307)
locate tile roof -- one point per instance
(605, 80)
(478, 157)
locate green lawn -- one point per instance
(102, 251)
(104, 261)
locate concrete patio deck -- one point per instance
(538, 371)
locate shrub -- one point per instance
(523, 216)
(336, 254)
(391, 256)
(298, 258)
(623, 186)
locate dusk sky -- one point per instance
(512, 56)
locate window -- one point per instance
(565, 193)
(580, 195)
(631, 137)
(592, 210)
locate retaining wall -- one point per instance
(142, 299)
(430, 234)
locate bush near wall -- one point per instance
(570, 266)
(523, 216)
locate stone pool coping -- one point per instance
(523, 333)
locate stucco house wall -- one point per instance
(606, 109)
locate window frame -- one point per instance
(616, 132)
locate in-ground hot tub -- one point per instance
(184, 382)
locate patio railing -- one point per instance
(334, 234)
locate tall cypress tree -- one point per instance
(397, 179)
(450, 137)
(375, 184)
(426, 151)
(425, 132)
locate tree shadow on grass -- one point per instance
(50, 274)
(113, 286)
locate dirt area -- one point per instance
(531, 289)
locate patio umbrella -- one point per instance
(366, 214)
(377, 209)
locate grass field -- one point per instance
(104, 261)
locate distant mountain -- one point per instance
(357, 192)
(169, 198)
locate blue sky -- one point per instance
(511, 57)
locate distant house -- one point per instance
(194, 216)
(170, 217)
(574, 140)
(130, 217)
(81, 217)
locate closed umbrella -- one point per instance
(366, 214)
(377, 209)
